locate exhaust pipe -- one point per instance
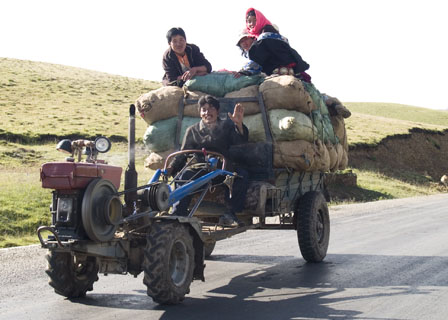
(130, 176)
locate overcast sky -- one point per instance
(358, 50)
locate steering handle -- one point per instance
(216, 154)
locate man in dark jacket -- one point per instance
(182, 61)
(215, 135)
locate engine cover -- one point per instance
(77, 175)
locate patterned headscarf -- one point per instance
(260, 24)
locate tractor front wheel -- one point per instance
(168, 262)
(69, 275)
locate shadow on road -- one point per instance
(293, 289)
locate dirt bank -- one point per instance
(421, 152)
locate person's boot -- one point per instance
(343, 111)
(228, 219)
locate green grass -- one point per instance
(42, 99)
(41, 103)
(372, 122)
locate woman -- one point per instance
(182, 61)
(271, 50)
(245, 41)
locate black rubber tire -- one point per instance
(168, 262)
(69, 278)
(208, 248)
(313, 226)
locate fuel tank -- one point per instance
(77, 175)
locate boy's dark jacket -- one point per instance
(172, 67)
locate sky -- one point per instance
(390, 51)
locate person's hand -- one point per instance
(189, 74)
(238, 116)
(236, 74)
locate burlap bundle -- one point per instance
(191, 110)
(285, 125)
(286, 92)
(291, 125)
(157, 160)
(301, 155)
(340, 131)
(332, 152)
(344, 159)
(249, 107)
(159, 104)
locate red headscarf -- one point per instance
(259, 25)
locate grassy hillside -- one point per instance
(41, 99)
(43, 102)
(371, 122)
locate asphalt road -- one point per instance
(387, 260)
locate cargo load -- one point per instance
(305, 136)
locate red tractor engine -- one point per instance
(85, 204)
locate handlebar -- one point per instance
(216, 154)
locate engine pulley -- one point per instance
(101, 210)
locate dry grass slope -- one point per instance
(41, 99)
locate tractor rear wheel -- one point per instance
(313, 226)
(70, 276)
(168, 262)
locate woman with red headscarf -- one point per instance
(271, 50)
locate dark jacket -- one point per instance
(273, 53)
(220, 139)
(172, 67)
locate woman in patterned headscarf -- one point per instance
(272, 50)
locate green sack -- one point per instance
(317, 98)
(324, 127)
(218, 84)
(160, 135)
(286, 125)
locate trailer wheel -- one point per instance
(168, 262)
(68, 276)
(313, 226)
(208, 248)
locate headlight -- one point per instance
(102, 144)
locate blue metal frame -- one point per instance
(190, 187)
(194, 185)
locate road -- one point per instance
(387, 260)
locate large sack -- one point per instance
(291, 125)
(317, 98)
(301, 155)
(157, 160)
(321, 158)
(192, 110)
(324, 127)
(344, 160)
(254, 124)
(332, 152)
(340, 131)
(285, 125)
(220, 83)
(159, 104)
(298, 155)
(160, 135)
(286, 92)
(249, 107)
